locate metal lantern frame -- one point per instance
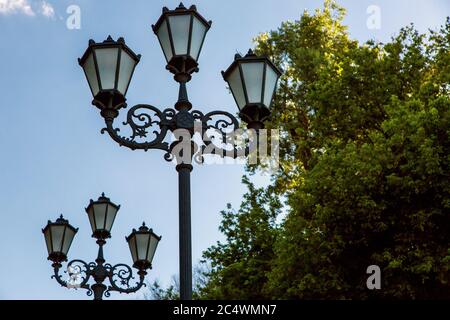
(181, 63)
(58, 254)
(98, 231)
(143, 262)
(253, 113)
(110, 98)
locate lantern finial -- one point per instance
(61, 219)
(250, 53)
(143, 227)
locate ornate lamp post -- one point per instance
(108, 67)
(102, 213)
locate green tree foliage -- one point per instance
(364, 170)
(156, 292)
(239, 267)
(172, 292)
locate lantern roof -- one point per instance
(103, 199)
(250, 57)
(108, 43)
(180, 10)
(59, 221)
(143, 229)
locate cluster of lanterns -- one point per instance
(101, 213)
(109, 65)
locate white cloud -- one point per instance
(16, 6)
(47, 9)
(27, 7)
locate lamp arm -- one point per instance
(123, 273)
(58, 277)
(74, 269)
(221, 124)
(141, 118)
(226, 128)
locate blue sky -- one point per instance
(54, 158)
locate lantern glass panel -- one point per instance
(91, 74)
(253, 77)
(68, 237)
(107, 65)
(111, 216)
(100, 215)
(271, 82)
(132, 245)
(127, 64)
(152, 248)
(179, 27)
(163, 36)
(91, 217)
(198, 35)
(235, 83)
(57, 237)
(142, 245)
(48, 240)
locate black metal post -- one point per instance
(99, 273)
(184, 193)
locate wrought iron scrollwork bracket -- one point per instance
(149, 127)
(119, 277)
(78, 268)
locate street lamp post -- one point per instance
(109, 66)
(102, 213)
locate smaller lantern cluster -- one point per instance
(181, 32)
(102, 213)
